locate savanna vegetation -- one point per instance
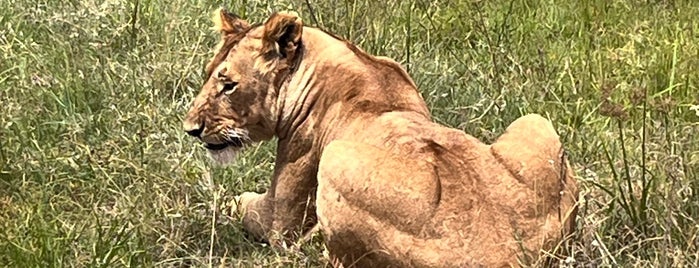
(95, 170)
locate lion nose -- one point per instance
(193, 129)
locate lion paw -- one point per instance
(243, 201)
(255, 214)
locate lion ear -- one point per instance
(283, 33)
(228, 23)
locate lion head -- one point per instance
(238, 102)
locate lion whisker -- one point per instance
(240, 134)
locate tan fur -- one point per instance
(359, 153)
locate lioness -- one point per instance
(359, 153)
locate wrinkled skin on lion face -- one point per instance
(359, 154)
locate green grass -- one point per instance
(95, 171)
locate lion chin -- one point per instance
(225, 156)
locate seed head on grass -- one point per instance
(664, 104)
(608, 107)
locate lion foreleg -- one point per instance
(287, 210)
(294, 210)
(276, 219)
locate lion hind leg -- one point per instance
(370, 200)
(401, 190)
(531, 150)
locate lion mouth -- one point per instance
(233, 142)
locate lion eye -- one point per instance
(229, 87)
